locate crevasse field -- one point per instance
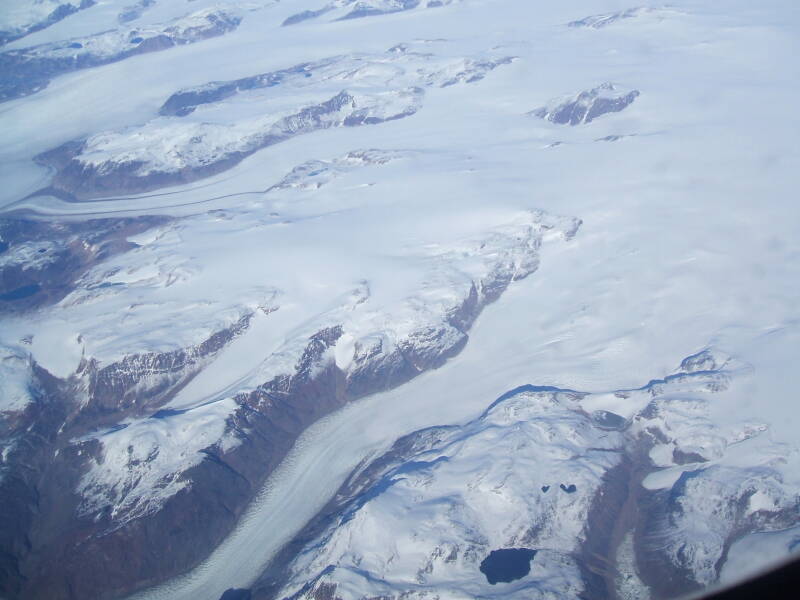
(323, 301)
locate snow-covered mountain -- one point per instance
(310, 299)
(587, 106)
(547, 469)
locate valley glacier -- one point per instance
(331, 300)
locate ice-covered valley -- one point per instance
(266, 268)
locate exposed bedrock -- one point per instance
(48, 551)
(588, 105)
(93, 556)
(41, 261)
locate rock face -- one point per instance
(40, 262)
(588, 105)
(133, 381)
(29, 70)
(536, 471)
(43, 524)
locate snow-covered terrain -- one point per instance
(265, 267)
(314, 174)
(537, 470)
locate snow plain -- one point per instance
(687, 197)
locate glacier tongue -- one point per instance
(379, 343)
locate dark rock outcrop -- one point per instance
(47, 549)
(588, 105)
(62, 253)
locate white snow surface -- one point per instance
(689, 233)
(15, 374)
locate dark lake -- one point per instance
(236, 594)
(507, 564)
(19, 293)
(608, 420)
